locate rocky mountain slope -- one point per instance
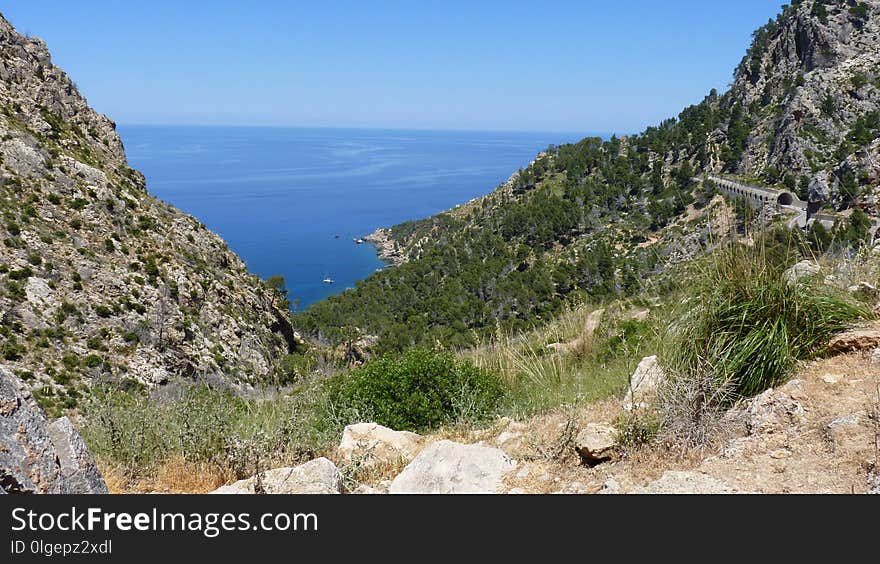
(99, 281)
(601, 219)
(810, 86)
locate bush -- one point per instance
(751, 326)
(416, 391)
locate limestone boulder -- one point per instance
(643, 384)
(28, 463)
(596, 443)
(862, 339)
(801, 271)
(371, 443)
(774, 410)
(79, 473)
(319, 476)
(36, 457)
(446, 467)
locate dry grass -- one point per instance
(583, 356)
(173, 476)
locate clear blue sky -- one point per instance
(551, 66)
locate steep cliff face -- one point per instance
(99, 281)
(810, 88)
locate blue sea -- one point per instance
(281, 196)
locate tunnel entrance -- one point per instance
(785, 199)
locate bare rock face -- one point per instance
(319, 476)
(643, 384)
(36, 457)
(820, 188)
(28, 463)
(79, 473)
(156, 294)
(673, 482)
(371, 443)
(446, 467)
(816, 67)
(595, 443)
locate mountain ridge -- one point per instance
(99, 281)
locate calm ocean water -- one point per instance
(279, 196)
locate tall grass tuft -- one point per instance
(570, 360)
(748, 326)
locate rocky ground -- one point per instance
(817, 433)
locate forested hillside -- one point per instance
(601, 219)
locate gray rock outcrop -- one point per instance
(79, 473)
(143, 289)
(36, 457)
(801, 271)
(643, 384)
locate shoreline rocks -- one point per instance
(386, 247)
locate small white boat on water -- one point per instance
(328, 280)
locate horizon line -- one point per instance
(368, 128)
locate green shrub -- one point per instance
(130, 337)
(93, 360)
(70, 361)
(21, 274)
(102, 310)
(418, 390)
(12, 349)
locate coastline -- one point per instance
(386, 247)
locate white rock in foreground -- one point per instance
(595, 443)
(643, 384)
(372, 443)
(319, 476)
(446, 467)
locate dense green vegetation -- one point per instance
(749, 324)
(136, 432)
(518, 256)
(416, 391)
